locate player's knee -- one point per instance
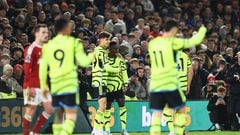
(71, 114)
(49, 110)
(30, 110)
(58, 116)
(157, 114)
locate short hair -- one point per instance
(170, 24)
(221, 89)
(60, 24)
(7, 66)
(139, 68)
(38, 26)
(104, 34)
(113, 43)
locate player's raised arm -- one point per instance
(43, 68)
(180, 43)
(82, 58)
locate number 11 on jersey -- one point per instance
(157, 55)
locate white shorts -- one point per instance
(37, 100)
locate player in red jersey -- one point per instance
(32, 93)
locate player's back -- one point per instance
(31, 66)
(163, 65)
(60, 55)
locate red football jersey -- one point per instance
(31, 66)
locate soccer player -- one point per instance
(32, 93)
(164, 81)
(116, 84)
(185, 74)
(100, 71)
(61, 55)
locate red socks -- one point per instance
(26, 126)
(40, 122)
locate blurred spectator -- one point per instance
(155, 31)
(198, 81)
(129, 42)
(9, 80)
(113, 21)
(133, 67)
(233, 79)
(220, 71)
(208, 91)
(206, 62)
(4, 60)
(211, 48)
(229, 56)
(18, 73)
(136, 86)
(218, 109)
(143, 80)
(17, 55)
(138, 53)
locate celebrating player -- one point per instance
(164, 82)
(99, 82)
(61, 55)
(185, 74)
(116, 83)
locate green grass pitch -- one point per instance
(165, 133)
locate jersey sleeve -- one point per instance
(189, 63)
(179, 43)
(124, 73)
(82, 58)
(43, 68)
(27, 66)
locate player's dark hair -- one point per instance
(170, 24)
(38, 26)
(104, 35)
(60, 24)
(113, 43)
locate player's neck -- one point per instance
(167, 35)
(38, 42)
(103, 46)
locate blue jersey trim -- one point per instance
(67, 106)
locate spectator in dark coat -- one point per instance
(218, 109)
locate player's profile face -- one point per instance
(43, 34)
(105, 42)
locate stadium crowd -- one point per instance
(133, 23)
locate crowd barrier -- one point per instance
(139, 117)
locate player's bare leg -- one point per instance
(43, 117)
(180, 121)
(99, 118)
(69, 123)
(58, 120)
